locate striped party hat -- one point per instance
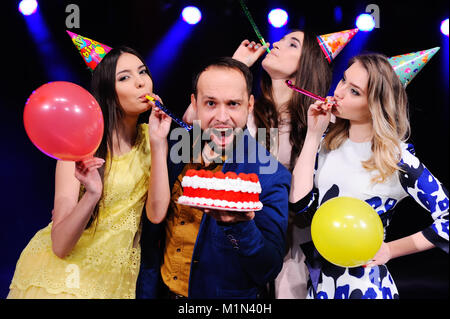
(333, 43)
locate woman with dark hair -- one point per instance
(91, 247)
(296, 57)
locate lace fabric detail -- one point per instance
(104, 263)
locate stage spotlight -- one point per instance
(444, 27)
(365, 22)
(278, 18)
(28, 7)
(191, 15)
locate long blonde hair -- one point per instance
(388, 106)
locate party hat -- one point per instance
(406, 66)
(332, 43)
(91, 51)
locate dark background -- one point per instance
(27, 175)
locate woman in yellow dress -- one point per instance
(91, 247)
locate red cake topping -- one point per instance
(209, 174)
(232, 175)
(219, 174)
(243, 177)
(253, 177)
(191, 172)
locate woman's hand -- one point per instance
(302, 183)
(319, 115)
(381, 257)
(248, 52)
(400, 247)
(158, 124)
(86, 171)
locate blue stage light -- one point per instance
(338, 14)
(28, 7)
(365, 22)
(191, 15)
(278, 18)
(444, 27)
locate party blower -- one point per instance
(307, 93)
(166, 110)
(252, 22)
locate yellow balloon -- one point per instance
(347, 231)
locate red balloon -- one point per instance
(64, 121)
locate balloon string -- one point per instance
(252, 22)
(166, 110)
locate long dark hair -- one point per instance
(313, 74)
(103, 87)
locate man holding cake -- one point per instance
(225, 219)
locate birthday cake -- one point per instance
(224, 191)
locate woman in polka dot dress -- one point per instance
(363, 155)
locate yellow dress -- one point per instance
(105, 262)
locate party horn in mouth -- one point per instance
(166, 110)
(252, 22)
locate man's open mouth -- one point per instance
(221, 136)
